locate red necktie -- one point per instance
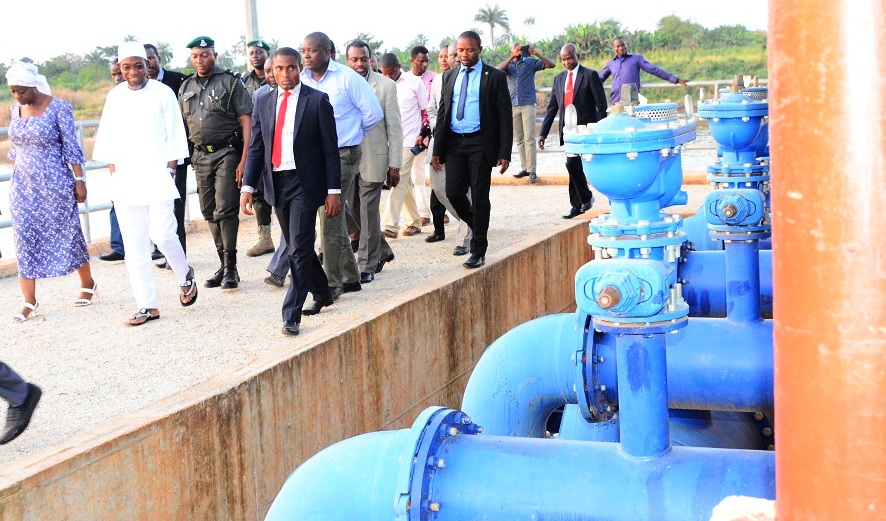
(567, 96)
(277, 150)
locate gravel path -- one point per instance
(92, 367)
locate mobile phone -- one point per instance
(524, 50)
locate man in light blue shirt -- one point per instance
(356, 112)
(474, 132)
(521, 67)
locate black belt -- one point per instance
(282, 173)
(212, 148)
(349, 146)
(467, 135)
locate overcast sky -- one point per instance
(55, 27)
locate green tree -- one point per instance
(493, 16)
(130, 38)
(420, 39)
(681, 33)
(165, 52)
(374, 45)
(96, 56)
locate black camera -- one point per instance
(524, 50)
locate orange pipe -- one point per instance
(827, 100)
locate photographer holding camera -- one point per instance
(413, 99)
(521, 67)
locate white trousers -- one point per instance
(402, 197)
(422, 192)
(141, 225)
(438, 185)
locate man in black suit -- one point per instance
(173, 80)
(294, 154)
(580, 87)
(474, 132)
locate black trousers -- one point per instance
(468, 169)
(298, 219)
(438, 211)
(178, 206)
(579, 193)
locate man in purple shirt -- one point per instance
(625, 68)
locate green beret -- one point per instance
(202, 42)
(261, 44)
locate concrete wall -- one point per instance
(222, 450)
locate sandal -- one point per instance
(83, 302)
(189, 289)
(141, 316)
(18, 318)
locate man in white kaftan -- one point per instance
(142, 136)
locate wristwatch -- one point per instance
(79, 179)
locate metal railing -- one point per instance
(85, 208)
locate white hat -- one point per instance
(130, 49)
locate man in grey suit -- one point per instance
(380, 161)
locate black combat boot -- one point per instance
(216, 280)
(231, 278)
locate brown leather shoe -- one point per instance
(409, 231)
(390, 234)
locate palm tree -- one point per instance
(420, 39)
(529, 22)
(165, 52)
(130, 38)
(493, 16)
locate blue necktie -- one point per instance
(463, 95)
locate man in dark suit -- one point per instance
(474, 132)
(580, 87)
(294, 154)
(173, 80)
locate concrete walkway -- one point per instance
(93, 367)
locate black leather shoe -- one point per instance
(335, 292)
(156, 255)
(216, 280)
(350, 287)
(521, 173)
(382, 262)
(366, 278)
(290, 328)
(18, 418)
(319, 303)
(460, 250)
(111, 256)
(573, 212)
(474, 261)
(588, 205)
(435, 237)
(274, 280)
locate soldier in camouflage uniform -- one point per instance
(218, 113)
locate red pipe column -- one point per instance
(827, 100)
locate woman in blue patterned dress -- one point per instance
(44, 192)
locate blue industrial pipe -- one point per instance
(529, 369)
(716, 429)
(642, 394)
(438, 470)
(549, 362)
(703, 276)
(743, 281)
